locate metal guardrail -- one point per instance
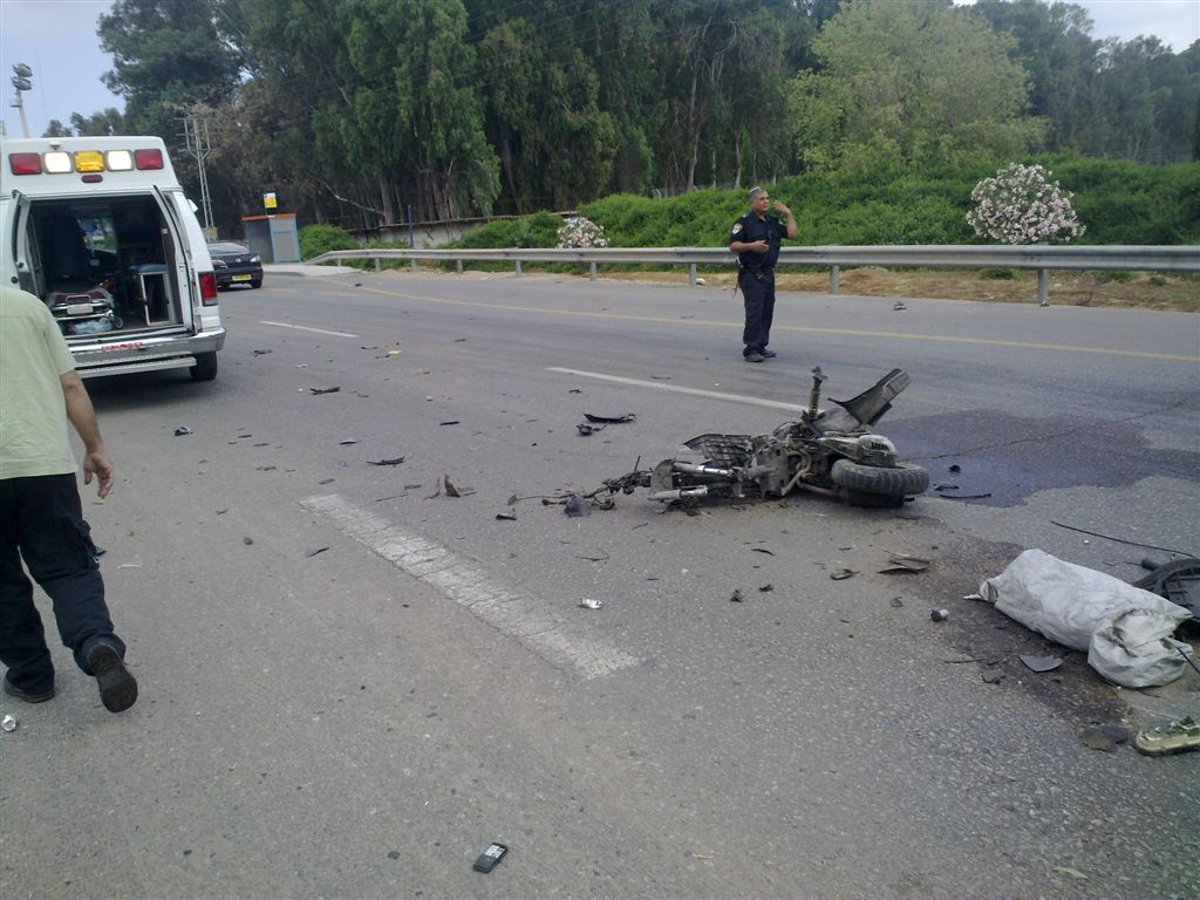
(1042, 257)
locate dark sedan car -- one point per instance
(235, 264)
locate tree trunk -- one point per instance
(385, 198)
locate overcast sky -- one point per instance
(57, 39)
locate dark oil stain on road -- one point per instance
(1010, 458)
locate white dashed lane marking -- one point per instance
(467, 584)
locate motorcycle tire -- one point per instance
(900, 481)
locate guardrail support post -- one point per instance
(835, 273)
(378, 265)
(692, 274)
(412, 264)
(518, 267)
(1043, 287)
(593, 273)
(458, 266)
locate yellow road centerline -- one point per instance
(794, 329)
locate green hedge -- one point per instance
(318, 239)
(1119, 202)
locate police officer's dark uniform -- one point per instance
(756, 277)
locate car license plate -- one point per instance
(241, 277)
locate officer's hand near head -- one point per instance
(779, 207)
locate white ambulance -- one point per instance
(100, 229)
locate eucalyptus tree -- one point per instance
(542, 89)
(168, 59)
(911, 83)
(1054, 43)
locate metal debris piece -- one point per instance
(898, 305)
(259, 352)
(385, 462)
(1068, 870)
(247, 541)
(509, 515)
(585, 428)
(841, 574)
(736, 597)
(896, 603)
(900, 562)
(8, 723)
(1041, 663)
(348, 441)
(766, 588)
(967, 496)
(955, 467)
(610, 420)
(762, 550)
(182, 430)
(943, 486)
(578, 505)
(993, 676)
(1105, 737)
(315, 551)
(589, 603)
(328, 390)
(451, 490)
(451, 422)
(939, 615)
(574, 391)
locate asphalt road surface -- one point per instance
(352, 681)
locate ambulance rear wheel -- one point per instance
(205, 368)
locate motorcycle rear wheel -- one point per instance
(902, 480)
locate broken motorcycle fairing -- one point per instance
(828, 451)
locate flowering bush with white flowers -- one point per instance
(581, 234)
(1020, 205)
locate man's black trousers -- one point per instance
(758, 291)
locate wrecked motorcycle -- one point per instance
(828, 451)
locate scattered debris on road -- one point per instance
(1176, 736)
(1041, 663)
(902, 562)
(1105, 737)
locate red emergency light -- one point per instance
(25, 163)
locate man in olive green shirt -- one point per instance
(41, 516)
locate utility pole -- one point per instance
(195, 133)
(22, 81)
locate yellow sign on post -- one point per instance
(269, 200)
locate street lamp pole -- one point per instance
(22, 81)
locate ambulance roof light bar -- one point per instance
(64, 162)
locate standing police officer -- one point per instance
(755, 239)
